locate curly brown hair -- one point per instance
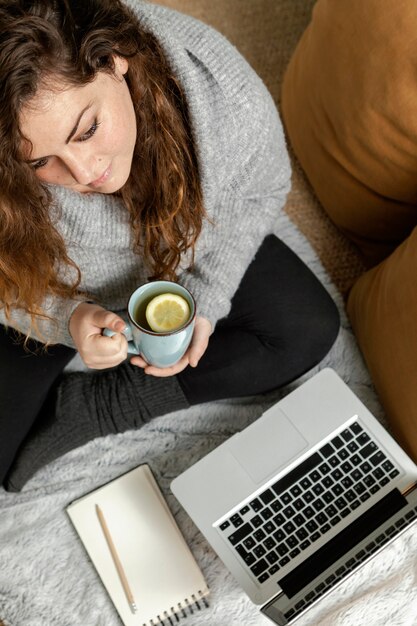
(73, 40)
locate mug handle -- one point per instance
(127, 332)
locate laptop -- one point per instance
(301, 498)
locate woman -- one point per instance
(137, 144)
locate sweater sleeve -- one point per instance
(244, 213)
(51, 329)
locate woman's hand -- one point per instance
(198, 345)
(97, 351)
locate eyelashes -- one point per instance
(84, 137)
(90, 132)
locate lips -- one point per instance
(100, 181)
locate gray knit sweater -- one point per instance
(245, 179)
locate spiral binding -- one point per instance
(182, 610)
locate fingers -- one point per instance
(108, 319)
(162, 372)
(104, 352)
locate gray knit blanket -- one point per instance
(46, 578)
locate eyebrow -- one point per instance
(72, 133)
(74, 130)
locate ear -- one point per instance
(121, 65)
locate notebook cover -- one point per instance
(161, 571)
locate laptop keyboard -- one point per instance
(289, 516)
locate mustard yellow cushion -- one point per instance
(349, 104)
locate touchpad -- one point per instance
(266, 445)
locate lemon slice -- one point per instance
(167, 312)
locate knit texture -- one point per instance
(245, 179)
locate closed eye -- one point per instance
(38, 164)
(90, 132)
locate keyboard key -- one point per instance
(269, 528)
(353, 446)
(327, 450)
(274, 569)
(340, 503)
(321, 518)
(298, 504)
(343, 454)
(369, 481)
(259, 567)
(305, 483)
(378, 473)
(318, 504)
(356, 459)
(346, 434)
(337, 490)
(279, 519)
(294, 553)
(269, 543)
(315, 476)
(259, 551)
(284, 561)
(257, 521)
(346, 467)
(259, 534)
(360, 488)
(347, 482)
(312, 526)
(309, 512)
(267, 496)
(337, 442)
(333, 461)
(272, 557)
(318, 489)
(325, 528)
(356, 428)
(286, 498)
(295, 491)
(263, 577)
(337, 474)
(308, 496)
(236, 520)
(288, 512)
(279, 535)
(289, 527)
(256, 505)
(328, 496)
(327, 481)
(282, 549)
(355, 504)
(368, 450)
(249, 543)
(345, 512)
(377, 458)
(324, 468)
(365, 467)
(330, 510)
(224, 525)
(240, 533)
(301, 533)
(394, 473)
(363, 439)
(246, 556)
(244, 510)
(266, 513)
(299, 519)
(305, 544)
(276, 506)
(292, 541)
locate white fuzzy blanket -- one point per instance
(47, 580)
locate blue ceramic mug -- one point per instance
(159, 349)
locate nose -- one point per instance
(81, 167)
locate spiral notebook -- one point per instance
(138, 550)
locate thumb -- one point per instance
(108, 319)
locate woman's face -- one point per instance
(83, 137)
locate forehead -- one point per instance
(50, 115)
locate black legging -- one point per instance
(282, 323)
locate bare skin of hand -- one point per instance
(86, 327)
(198, 345)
